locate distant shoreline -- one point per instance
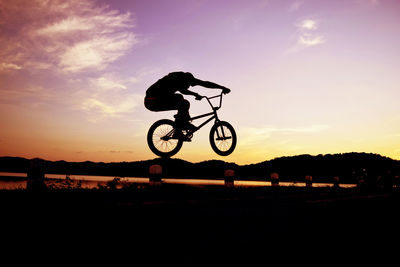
(20, 177)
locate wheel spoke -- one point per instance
(160, 144)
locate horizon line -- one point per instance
(312, 155)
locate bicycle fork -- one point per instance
(222, 137)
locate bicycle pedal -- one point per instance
(189, 135)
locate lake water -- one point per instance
(17, 181)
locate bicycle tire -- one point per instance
(163, 148)
(227, 143)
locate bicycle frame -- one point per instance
(213, 114)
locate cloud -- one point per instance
(308, 24)
(308, 36)
(71, 36)
(9, 66)
(73, 44)
(311, 40)
(67, 26)
(111, 107)
(96, 53)
(278, 139)
(107, 96)
(94, 104)
(32, 96)
(105, 83)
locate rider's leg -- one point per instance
(183, 116)
(172, 102)
(183, 109)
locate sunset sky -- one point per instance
(307, 76)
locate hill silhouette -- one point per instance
(348, 166)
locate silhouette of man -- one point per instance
(162, 96)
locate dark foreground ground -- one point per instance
(199, 218)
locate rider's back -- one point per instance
(171, 83)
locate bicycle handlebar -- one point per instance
(211, 97)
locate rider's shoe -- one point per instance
(188, 126)
(181, 136)
(185, 125)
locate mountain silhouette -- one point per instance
(348, 166)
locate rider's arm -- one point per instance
(208, 84)
(188, 92)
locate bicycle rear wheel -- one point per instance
(161, 140)
(223, 138)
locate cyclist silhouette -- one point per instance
(162, 95)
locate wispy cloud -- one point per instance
(311, 40)
(308, 24)
(98, 107)
(9, 66)
(260, 134)
(308, 36)
(32, 96)
(280, 140)
(95, 53)
(67, 26)
(74, 42)
(107, 96)
(105, 83)
(71, 36)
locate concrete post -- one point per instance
(336, 181)
(229, 178)
(308, 181)
(36, 173)
(274, 179)
(155, 173)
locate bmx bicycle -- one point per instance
(165, 140)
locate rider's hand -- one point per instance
(226, 91)
(198, 97)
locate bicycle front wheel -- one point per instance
(223, 138)
(161, 140)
